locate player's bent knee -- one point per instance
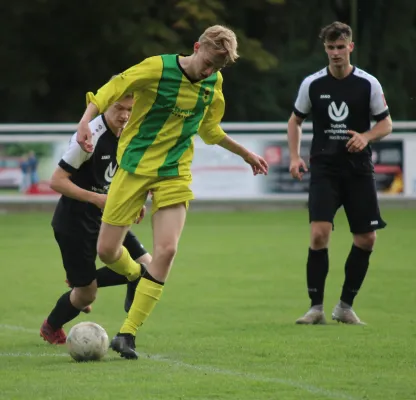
(165, 253)
(365, 241)
(84, 296)
(107, 252)
(110, 241)
(320, 233)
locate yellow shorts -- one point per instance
(128, 193)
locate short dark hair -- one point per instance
(336, 30)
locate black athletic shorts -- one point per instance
(79, 255)
(353, 190)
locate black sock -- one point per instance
(316, 272)
(356, 268)
(150, 277)
(63, 312)
(107, 277)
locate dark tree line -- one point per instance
(53, 51)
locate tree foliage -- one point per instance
(53, 52)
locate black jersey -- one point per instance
(90, 171)
(338, 105)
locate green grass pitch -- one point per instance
(224, 328)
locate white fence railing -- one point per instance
(264, 127)
(217, 174)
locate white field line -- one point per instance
(329, 394)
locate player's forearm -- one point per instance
(379, 130)
(66, 187)
(90, 113)
(234, 147)
(294, 134)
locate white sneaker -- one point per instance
(346, 316)
(312, 317)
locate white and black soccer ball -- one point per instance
(87, 341)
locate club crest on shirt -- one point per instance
(207, 94)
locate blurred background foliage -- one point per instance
(53, 52)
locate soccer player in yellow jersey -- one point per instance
(175, 98)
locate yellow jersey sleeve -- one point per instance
(210, 129)
(132, 80)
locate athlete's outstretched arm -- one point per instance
(211, 132)
(132, 80)
(258, 164)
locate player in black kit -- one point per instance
(83, 180)
(341, 99)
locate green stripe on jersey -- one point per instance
(190, 127)
(167, 93)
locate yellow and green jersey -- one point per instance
(168, 111)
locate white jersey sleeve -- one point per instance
(303, 103)
(74, 156)
(378, 104)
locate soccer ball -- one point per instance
(87, 341)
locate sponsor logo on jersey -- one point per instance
(325, 96)
(181, 113)
(110, 172)
(338, 114)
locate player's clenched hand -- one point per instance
(84, 138)
(258, 164)
(99, 200)
(297, 168)
(141, 215)
(357, 142)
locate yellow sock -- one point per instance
(145, 299)
(126, 266)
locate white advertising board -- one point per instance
(217, 174)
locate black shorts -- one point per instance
(79, 255)
(356, 192)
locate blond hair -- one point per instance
(222, 40)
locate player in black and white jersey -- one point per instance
(341, 99)
(83, 180)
